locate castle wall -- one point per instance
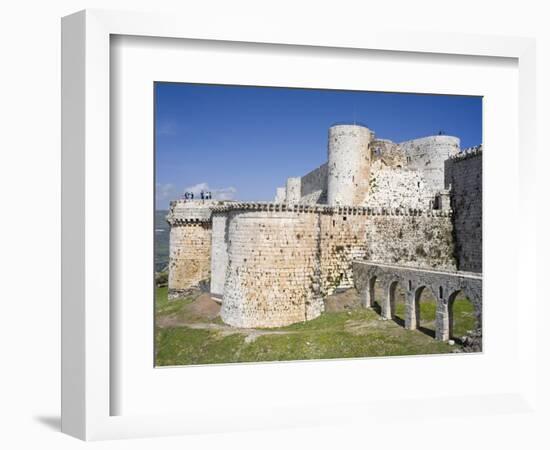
(418, 239)
(342, 239)
(397, 188)
(463, 174)
(428, 156)
(388, 153)
(283, 261)
(348, 164)
(189, 263)
(219, 254)
(314, 186)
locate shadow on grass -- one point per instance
(399, 321)
(426, 331)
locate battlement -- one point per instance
(191, 211)
(326, 209)
(467, 153)
(430, 140)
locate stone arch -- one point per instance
(418, 317)
(455, 296)
(473, 292)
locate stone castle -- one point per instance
(405, 214)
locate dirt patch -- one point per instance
(347, 300)
(363, 327)
(202, 308)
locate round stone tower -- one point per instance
(428, 156)
(348, 164)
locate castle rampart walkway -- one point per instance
(445, 286)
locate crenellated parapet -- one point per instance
(467, 153)
(332, 210)
(191, 211)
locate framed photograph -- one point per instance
(275, 219)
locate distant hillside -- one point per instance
(162, 240)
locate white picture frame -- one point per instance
(87, 325)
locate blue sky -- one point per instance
(242, 142)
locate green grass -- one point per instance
(357, 333)
(164, 307)
(463, 316)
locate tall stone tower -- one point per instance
(190, 245)
(428, 156)
(348, 164)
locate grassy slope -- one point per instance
(356, 333)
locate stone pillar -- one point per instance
(386, 302)
(218, 264)
(442, 329)
(410, 310)
(366, 297)
(371, 292)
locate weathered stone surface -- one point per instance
(220, 238)
(463, 176)
(428, 154)
(388, 153)
(348, 164)
(271, 271)
(189, 263)
(394, 187)
(190, 245)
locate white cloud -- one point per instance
(197, 188)
(226, 193)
